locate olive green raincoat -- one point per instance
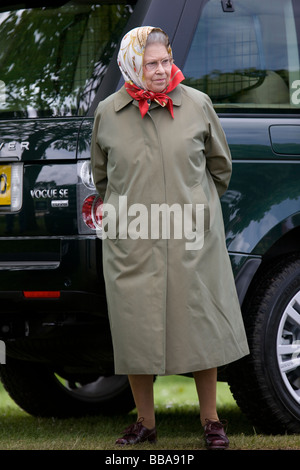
(172, 302)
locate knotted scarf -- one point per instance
(144, 97)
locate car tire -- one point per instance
(40, 392)
(266, 383)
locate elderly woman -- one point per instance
(158, 148)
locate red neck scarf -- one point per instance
(143, 96)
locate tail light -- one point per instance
(92, 211)
(41, 294)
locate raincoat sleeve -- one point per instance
(98, 159)
(218, 156)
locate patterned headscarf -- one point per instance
(130, 60)
(131, 54)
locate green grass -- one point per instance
(177, 423)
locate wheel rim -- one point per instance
(288, 347)
(101, 389)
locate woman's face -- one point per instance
(157, 67)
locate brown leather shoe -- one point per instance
(215, 436)
(137, 433)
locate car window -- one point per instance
(52, 59)
(247, 58)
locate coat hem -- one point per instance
(182, 371)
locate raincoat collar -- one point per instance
(122, 98)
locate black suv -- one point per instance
(57, 61)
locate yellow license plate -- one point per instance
(5, 185)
